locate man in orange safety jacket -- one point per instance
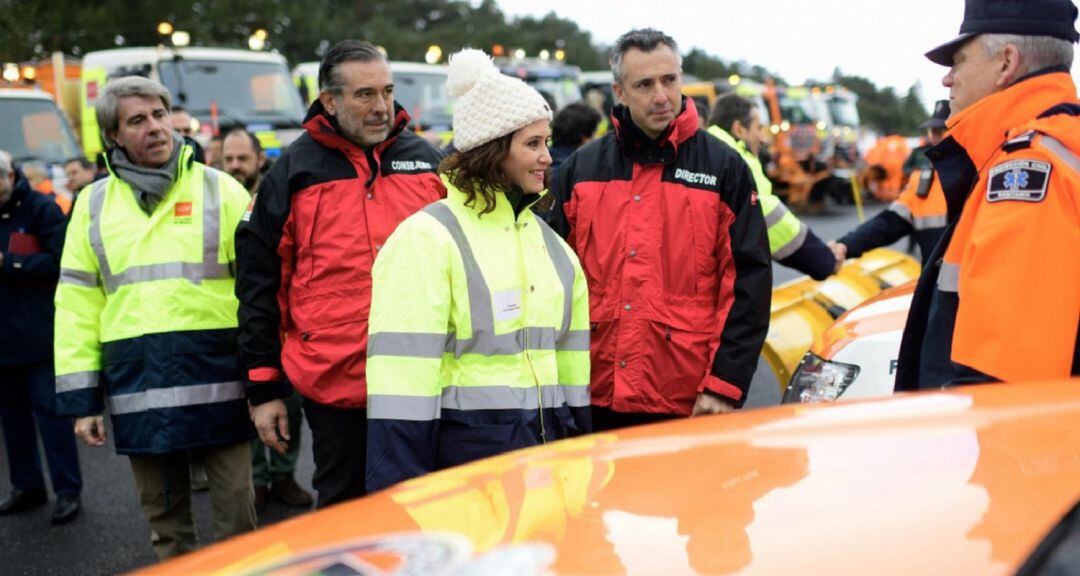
(1000, 296)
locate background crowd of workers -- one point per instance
(424, 309)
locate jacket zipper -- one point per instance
(528, 357)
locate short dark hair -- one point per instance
(83, 161)
(345, 51)
(644, 39)
(255, 144)
(729, 108)
(702, 108)
(573, 124)
(478, 172)
(175, 109)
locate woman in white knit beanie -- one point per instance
(479, 325)
(501, 128)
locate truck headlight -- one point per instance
(819, 380)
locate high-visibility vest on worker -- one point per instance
(919, 211)
(477, 322)
(787, 234)
(146, 315)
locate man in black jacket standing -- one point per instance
(31, 240)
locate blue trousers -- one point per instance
(26, 398)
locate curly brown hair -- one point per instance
(478, 172)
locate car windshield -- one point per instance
(564, 91)
(33, 129)
(242, 92)
(844, 112)
(424, 97)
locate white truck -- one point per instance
(221, 87)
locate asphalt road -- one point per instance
(111, 536)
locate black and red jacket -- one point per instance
(675, 251)
(305, 251)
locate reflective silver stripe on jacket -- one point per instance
(408, 408)
(930, 222)
(917, 222)
(510, 398)
(1058, 149)
(949, 277)
(468, 398)
(793, 245)
(901, 210)
(773, 218)
(195, 272)
(565, 270)
(79, 278)
(77, 381)
(484, 341)
(430, 345)
(175, 397)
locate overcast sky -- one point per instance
(883, 40)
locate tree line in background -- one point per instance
(303, 31)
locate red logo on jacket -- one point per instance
(182, 210)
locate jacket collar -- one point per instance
(323, 129)
(983, 127)
(727, 138)
(663, 150)
(19, 192)
(504, 211)
(186, 158)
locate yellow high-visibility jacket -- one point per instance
(146, 315)
(791, 242)
(478, 340)
(786, 231)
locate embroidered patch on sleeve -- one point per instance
(1021, 180)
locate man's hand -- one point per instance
(91, 429)
(711, 404)
(272, 422)
(839, 250)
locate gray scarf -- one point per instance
(149, 184)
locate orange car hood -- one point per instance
(966, 481)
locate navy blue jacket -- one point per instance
(884, 229)
(559, 154)
(31, 239)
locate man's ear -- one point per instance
(1010, 67)
(327, 100)
(737, 129)
(617, 89)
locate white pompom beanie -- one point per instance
(489, 104)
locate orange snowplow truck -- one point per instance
(796, 143)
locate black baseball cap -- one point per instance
(1053, 18)
(938, 118)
